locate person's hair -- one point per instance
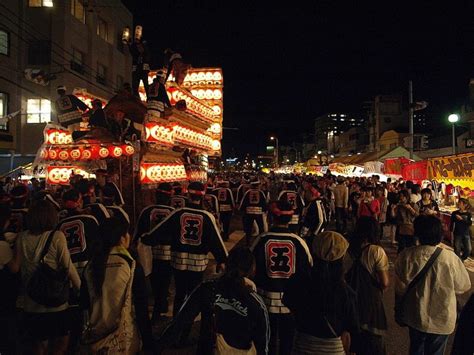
(111, 231)
(466, 203)
(368, 189)
(366, 230)
(409, 184)
(240, 262)
(415, 189)
(83, 186)
(42, 216)
(428, 229)
(282, 206)
(379, 189)
(71, 195)
(162, 198)
(404, 193)
(426, 191)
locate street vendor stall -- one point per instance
(455, 176)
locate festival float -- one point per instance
(175, 145)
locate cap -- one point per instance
(61, 87)
(160, 74)
(329, 246)
(196, 188)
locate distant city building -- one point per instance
(387, 113)
(329, 127)
(78, 43)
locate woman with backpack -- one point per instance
(368, 276)
(39, 248)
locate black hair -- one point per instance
(366, 230)
(240, 262)
(426, 191)
(71, 195)
(428, 229)
(415, 189)
(42, 216)
(404, 193)
(111, 231)
(83, 186)
(368, 189)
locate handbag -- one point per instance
(400, 302)
(47, 286)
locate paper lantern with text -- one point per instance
(103, 153)
(75, 154)
(44, 153)
(53, 153)
(63, 154)
(86, 153)
(115, 151)
(128, 149)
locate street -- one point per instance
(397, 339)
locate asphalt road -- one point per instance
(397, 339)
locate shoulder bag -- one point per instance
(47, 286)
(400, 302)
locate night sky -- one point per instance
(285, 65)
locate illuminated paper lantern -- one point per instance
(86, 153)
(53, 154)
(128, 149)
(152, 173)
(63, 154)
(115, 151)
(58, 175)
(103, 153)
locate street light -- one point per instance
(453, 118)
(276, 148)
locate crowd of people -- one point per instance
(75, 271)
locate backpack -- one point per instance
(47, 286)
(369, 294)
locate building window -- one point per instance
(4, 42)
(119, 83)
(102, 29)
(39, 52)
(38, 111)
(3, 110)
(77, 10)
(77, 61)
(101, 77)
(40, 3)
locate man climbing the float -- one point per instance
(69, 109)
(157, 98)
(140, 61)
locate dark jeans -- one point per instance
(185, 282)
(160, 283)
(462, 246)
(225, 217)
(138, 75)
(405, 241)
(426, 343)
(341, 221)
(282, 330)
(247, 221)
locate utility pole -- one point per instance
(410, 114)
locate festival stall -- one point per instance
(455, 176)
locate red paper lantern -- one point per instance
(103, 152)
(53, 154)
(63, 154)
(115, 151)
(86, 153)
(128, 149)
(44, 153)
(75, 154)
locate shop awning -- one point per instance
(398, 152)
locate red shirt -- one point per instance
(370, 209)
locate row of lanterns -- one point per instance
(87, 152)
(199, 77)
(168, 135)
(60, 175)
(152, 173)
(192, 104)
(209, 94)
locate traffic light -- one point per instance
(424, 142)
